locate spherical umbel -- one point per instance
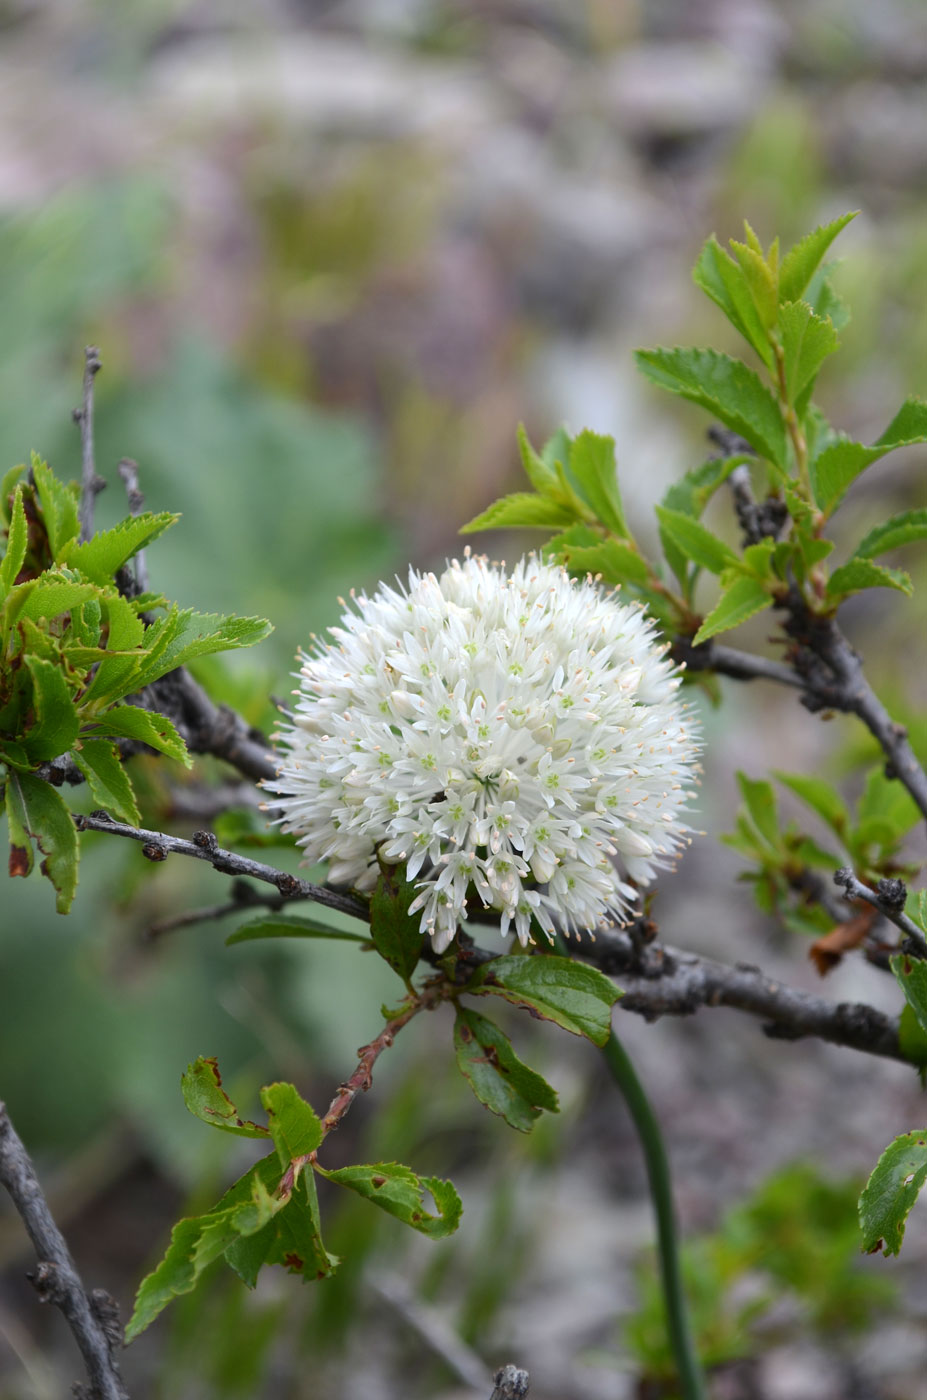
(503, 736)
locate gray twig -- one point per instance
(431, 1327)
(157, 846)
(728, 661)
(244, 896)
(889, 898)
(510, 1384)
(93, 1319)
(90, 483)
(128, 471)
(656, 980)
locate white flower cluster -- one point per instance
(506, 735)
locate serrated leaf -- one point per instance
(109, 783)
(760, 280)
(891, 1191)
(692, 492)
(130, 722)
(901, 529)
(721, 279)
(182, 636)
(615, 561)
(594, 469)
(821, 797)
(197, 1241)
(760, 801)
(296, 1236)
(294, 1127)
(496, 1075)
(521, 509)
(911, 976)
(87, 624)
(800, 263)
(576, 997)
(912, 1039)
(916, 907)
(727, 389)
(400, 1192)
(740, 600)
(885, 814)
(396, 933)
(859, 574)
(59, 508)
(807, 340)
(290, 926)
(201, 1085)
(102, 556)
(839, 463)
(36, 811)
(56, 721)
(17, 540)
(48, 596)
(696, 543)
(542, 476)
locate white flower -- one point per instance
(505, 737)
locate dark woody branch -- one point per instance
(657, 980)
(93, 1319)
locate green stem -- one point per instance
(658, 1172)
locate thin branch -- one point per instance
(128, 471)
(93, 1319)
(657, 980)
(90, 483)
(728, 661)
(889, 898)
(461, 1360)
(157, 846)
(244, 896)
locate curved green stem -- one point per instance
(658, 1172)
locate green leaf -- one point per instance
(294, 1127)
(204, 1096)
(294, 1236)
(35, 810)
(107, 779)
(721, 279)
(761, 804)
(760, 279)
(858, 574)
(840, 462)
(692, 492)
(901, 529)
(48, 596)
(615, 561)
(820, 796)
(542, 476)
(496, 1075)
(696, 543)
(807, 340)
(576, 997)
(396, 934)
(290, 926)
(397, 1190)
(727, 389)
(59, 508)
(912, 1039)
(740, 600)
(17, 540)
(130, 722)
(56, 722)
(911, 976)
(800, 263)
(885, 814)
(181, 636)
(891, 1191)
(521, 509)
(197, 1241)
(595, 471)
(916, 907)
(102, 556)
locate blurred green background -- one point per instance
(332, 252)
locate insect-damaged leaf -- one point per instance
(496, 1075)
(397, 1190)
(36, 811)
(891, 1191)
(204, 1096)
